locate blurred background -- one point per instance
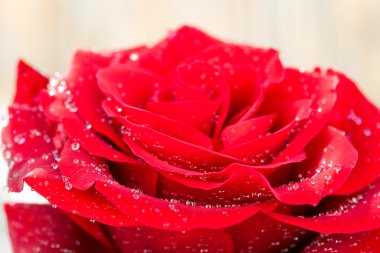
(343, 34)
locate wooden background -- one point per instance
(344, 34)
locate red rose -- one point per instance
(193, 145)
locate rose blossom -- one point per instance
(192, 145)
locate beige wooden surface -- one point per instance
(344, 34)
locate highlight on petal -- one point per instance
(41, 228)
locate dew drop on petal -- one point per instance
(75, 146)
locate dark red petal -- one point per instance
(159, 123)
(27, 142)
(29, 84)
(90, 141)
(261, 234)
(41, 228)
(128, 86)
(199, 114)
(93, 228)
(145, 239)
(352, 214)
(246, 130)
(331, 158)
(80, 168)
(141, 177)
(347, 243)
(162, 214)
(360, 119)
(89, 204)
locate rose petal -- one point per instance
(263, 234)
(128, 86)
(299, 85)
(173, 151)
(27, 142)
(92, 228)
(29, 84)
(159, 123)
(93, 143)
(360, 119)
(213, 85)
(182, 44)
(199, 114)
(247, 130)
(162, 214)
(140, 239)
(352, 214)
(81, 169)
(247, 69)
(89, 204)
(331, 158)
(41, 228)
(141, 177)
(348, 243)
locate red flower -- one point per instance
(193, 144)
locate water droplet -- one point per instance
(19, 139)
(68, 186)
(367, 132)
(75, 146)
(18, 158)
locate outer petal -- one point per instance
(360, 119)
(29, 85)
(28, 143)
(80, 169)
(298, 85)
(41, 228)
(87, 204)
(347, 243)
(355, 213)
(261, 234)
(331, 158)
(145, 239)
(162, 214)
(92, 142)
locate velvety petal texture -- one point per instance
(192, 144)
